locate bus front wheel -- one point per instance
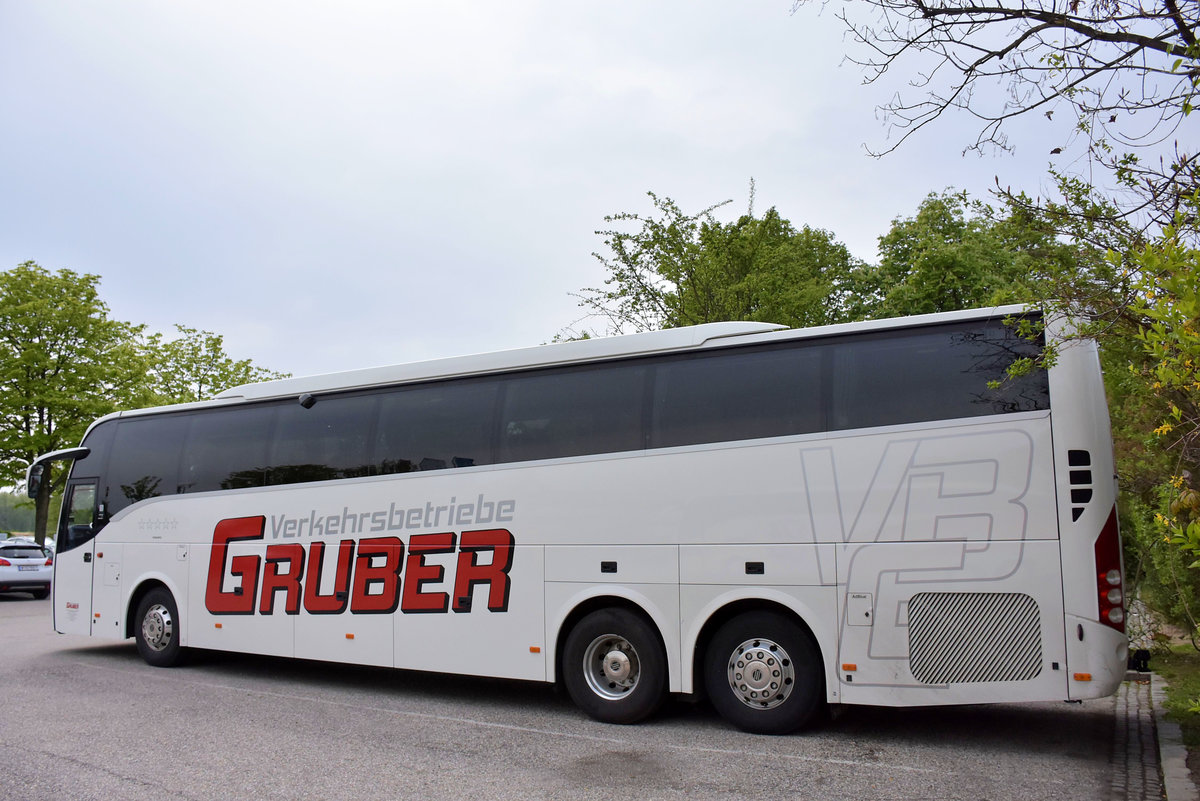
(614, 666)
(763, 674)
(157, 629)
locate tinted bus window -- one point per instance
(573, 412)
(145, 459)
(227, 449)
(99, 440)
(937, 373)
(331, 440)
(436, 426)
(738, 395)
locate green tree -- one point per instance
(959, 253)
(677, 269)
(63, 363)
(194, 366)
(946, 258)
(1169, 300)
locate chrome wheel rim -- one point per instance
(761, 673)
(158, 628)
(611, 666)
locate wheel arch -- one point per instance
(727, 608)
(143, 587)
(584, 605)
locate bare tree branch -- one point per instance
(1128, 73)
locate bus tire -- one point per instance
(156, 629)
(614, 666)
(763, 674)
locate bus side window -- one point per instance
(937, 373)
(738, 395)
(145, 460)
(436, 426)
(573, 412)
(227, 450)
(326, 441)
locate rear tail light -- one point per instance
(1108, 566)
(5, 563)
(49, 561)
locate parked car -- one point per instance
(25, 567)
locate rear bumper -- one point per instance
(23, 586)
(1098, 670)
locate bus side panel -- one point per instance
(1085, 478)
(976, 481)
(498, 633)
(108, 591)
(354, 639)
(252, 632)
(951, 623)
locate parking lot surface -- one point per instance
(87, 719)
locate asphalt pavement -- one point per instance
(87, 719)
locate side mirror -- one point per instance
(36, 473)
(33, 481)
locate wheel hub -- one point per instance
(616, 666)
(611, 666)
(761, 673)
(157, 627)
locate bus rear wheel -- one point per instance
(763, 674)
(157, 629)
(614, 666)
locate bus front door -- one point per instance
(74, 560)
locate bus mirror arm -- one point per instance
(36, 473)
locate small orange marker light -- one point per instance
(97, 615)
(218, 625)
(100, 555)
(849, 667)
(1083, 677)
(535, 649)
(349, 636)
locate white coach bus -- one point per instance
(776, 519)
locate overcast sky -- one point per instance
(342, 185)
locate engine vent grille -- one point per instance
(957, 637)
(1081, 481)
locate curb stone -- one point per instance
(1172, 755)
(1136, 774)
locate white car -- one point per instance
(24, 567)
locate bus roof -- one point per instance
(536, 356)
(559, 353)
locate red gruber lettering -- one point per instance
(495, 573)
(275, 580)
(239, 601)
(367, 575)
(417, 573)
(334, 603)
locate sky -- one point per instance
(341, 185)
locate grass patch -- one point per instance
(1180, 667)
